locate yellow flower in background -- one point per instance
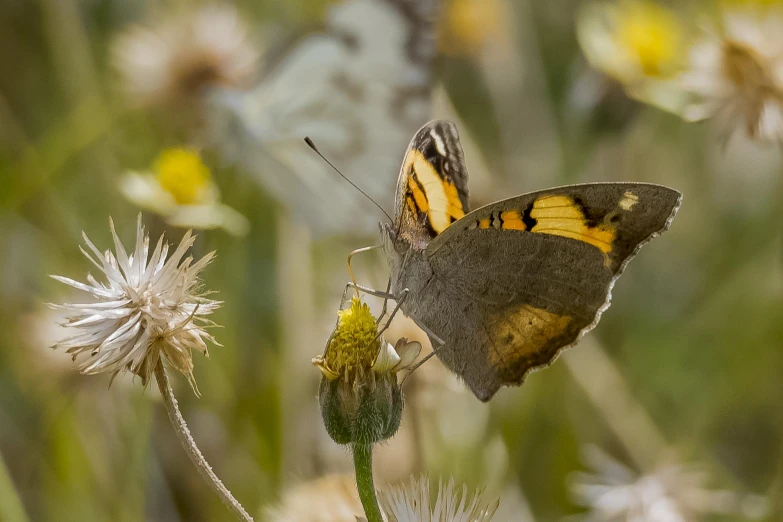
(468, 26)
(183, 175)
(639, 43)
(180, 188)
(650, 36)
(632, 40)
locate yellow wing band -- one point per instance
(561, 216)
(432, 195)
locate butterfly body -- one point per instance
(507, 286)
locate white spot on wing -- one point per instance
(629, 200)
(439, 145)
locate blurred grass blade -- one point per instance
(602, 381)
(11, 509)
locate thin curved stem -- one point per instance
(190, 447)
(362, 461)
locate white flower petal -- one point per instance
(386, 360)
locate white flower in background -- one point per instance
(639, 43)
(412, 503)
(182, 191)
(187, 51)
(670, 493)
(332, 498)
(149, 309)
(736, 72)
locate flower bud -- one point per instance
(360, 399)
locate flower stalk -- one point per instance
(190, 447)
(362, 461)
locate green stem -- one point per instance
(362, 461)
(190, 447)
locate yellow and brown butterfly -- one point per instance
(507, 286)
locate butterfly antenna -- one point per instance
(354, 185)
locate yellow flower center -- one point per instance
(651, 36)
(182, 174)
(354, 347)
(469, 24)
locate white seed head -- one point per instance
(412, 503)
(150, 308)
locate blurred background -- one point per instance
(193, 114)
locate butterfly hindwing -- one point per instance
(516, 281)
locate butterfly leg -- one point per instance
(350, 256)
(373, 292)
(403, 296)
(385, 302)
(435, 349)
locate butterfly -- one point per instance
(359, 90)
(502, 289)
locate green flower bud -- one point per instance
(367, 411)
(360, 399)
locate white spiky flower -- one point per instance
(150, 309)
(736, 73)
(412, 503)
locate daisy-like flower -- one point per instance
(186, 52)
(671, 493)
(736, 72)
(413, 503)
(181, 189)
(639, 43)
(150, 309)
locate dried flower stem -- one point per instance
(362, 461)
(190, 447)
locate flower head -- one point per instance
(632, 40)
(638, 43)
(186, 52)
(736, 72)
(150, 309)
(412, 503)
(361, 401)
(180, 188)
(355, 347)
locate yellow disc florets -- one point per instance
(183, 175)
(354, 345)
(651, 36)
